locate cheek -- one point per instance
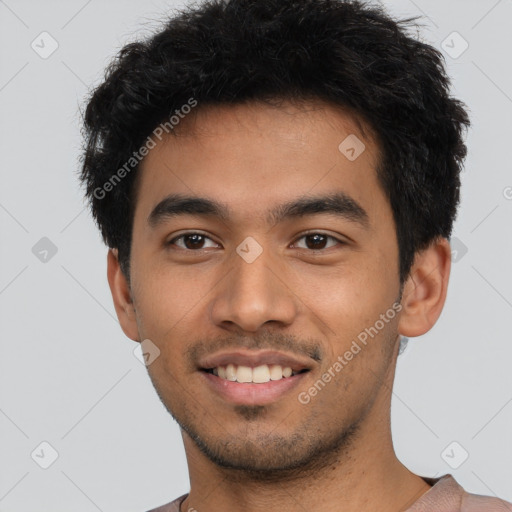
(167, 295)
(171, 311)
(350, 302)
(348, 297)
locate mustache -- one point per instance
(265, 340)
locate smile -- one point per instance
(257, 375)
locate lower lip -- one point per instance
(246, 393)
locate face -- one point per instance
(289, 257)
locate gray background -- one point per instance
(69, 377)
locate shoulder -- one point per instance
(446, 495)
(475, 503)
(173, 506)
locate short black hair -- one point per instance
(347, 53)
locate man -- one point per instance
(277, 181)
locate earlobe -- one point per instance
(121, 296)
(425, 290)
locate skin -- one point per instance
(336, 452)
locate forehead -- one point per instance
(255, 156)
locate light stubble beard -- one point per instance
(273, 457)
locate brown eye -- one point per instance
(190, 241)
(318, 241)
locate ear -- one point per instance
(122, 296)
(425, 290)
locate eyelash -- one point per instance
(340, 242)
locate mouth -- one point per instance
(257, 375)
(253, 378)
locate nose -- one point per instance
(253, 295)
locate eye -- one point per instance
(318, 241)
(191, 241)
(194, 241)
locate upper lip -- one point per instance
(253, 358)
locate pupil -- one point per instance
(196, 241)
(316, 240)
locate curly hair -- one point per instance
(344, 52)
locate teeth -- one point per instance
(276, 372)
(244, 374)
(231, 372)
(259, 374)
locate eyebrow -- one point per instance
(339, 204)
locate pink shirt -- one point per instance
(446, 495)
